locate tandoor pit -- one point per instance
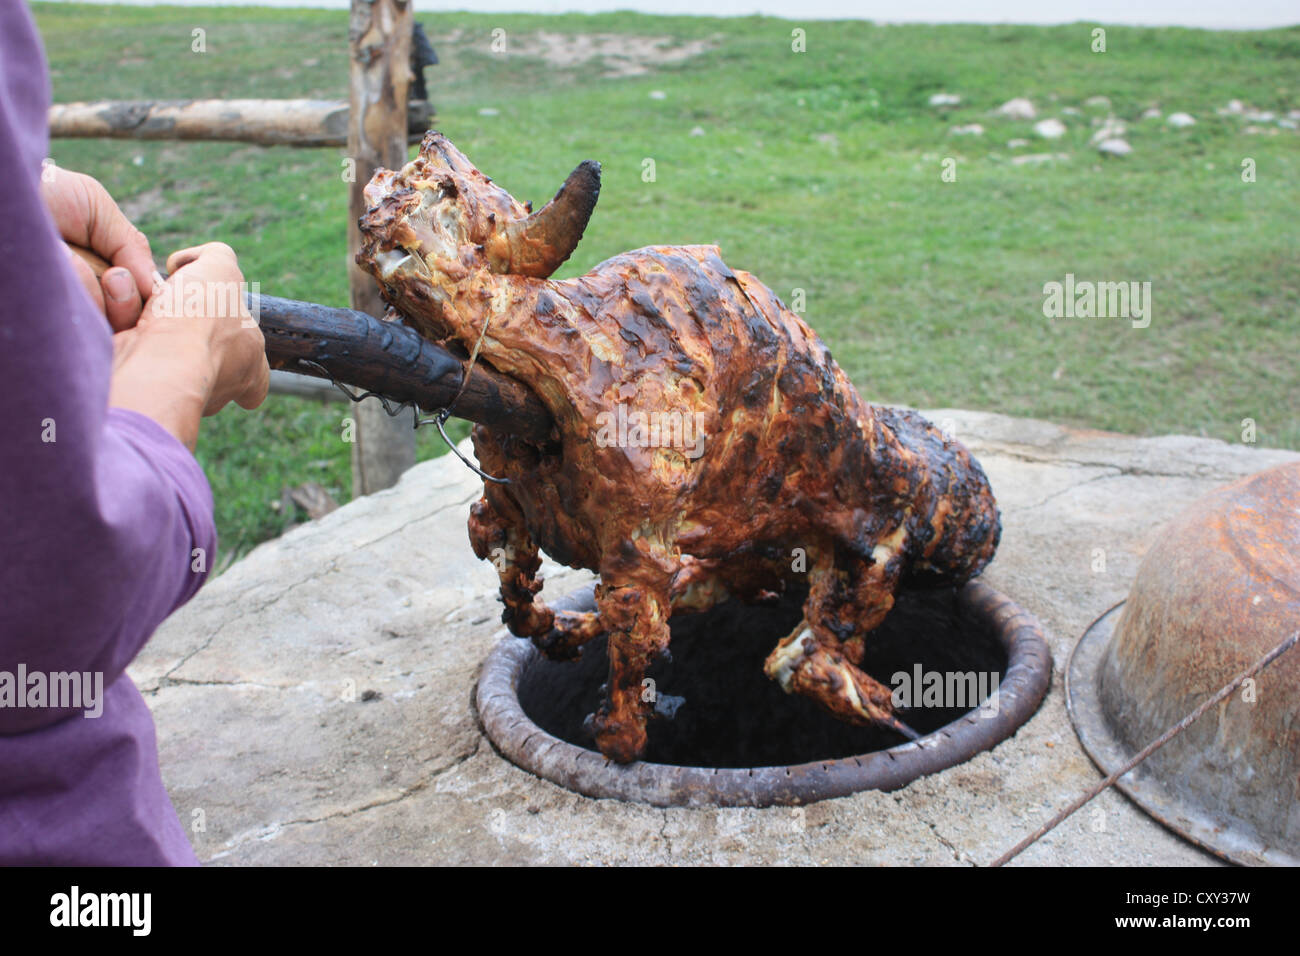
(725, 735)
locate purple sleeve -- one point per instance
(100, 510)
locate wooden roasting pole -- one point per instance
(379, 37)
(387, 358)
(393, 360)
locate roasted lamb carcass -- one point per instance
(706, 445)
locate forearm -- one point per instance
(101, 556)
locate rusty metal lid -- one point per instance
(1217, 591)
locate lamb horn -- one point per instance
(538, 245)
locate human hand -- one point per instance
(86, 216)
(175, 365)
(234, 340)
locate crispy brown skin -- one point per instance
(799, 480)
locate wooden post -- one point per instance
(379, 37)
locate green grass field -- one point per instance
(816, 170)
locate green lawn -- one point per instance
(818, 170)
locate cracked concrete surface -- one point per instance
(315, 703)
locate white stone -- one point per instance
(1151, 114)
(1098, 102)
(1050, 128)
(945, 99)
(1111, 129)
(1018, 109)
(974, 129)
(489, 111)
(1180, 120)
(658, 95)
(1017, 143)
(1033, 159)
(1114, 147)
(697, 131)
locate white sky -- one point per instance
(1213, 14)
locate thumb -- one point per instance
(121, 298)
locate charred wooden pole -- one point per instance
(394, 361)
(385, 357)
(379, 38)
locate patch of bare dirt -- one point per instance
(620, 54)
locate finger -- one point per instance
(183, 257)
(255, 394)
(257, 375)
(214, 278)
(122, 302)
(87, 215)
(218, 254)
(127, 247)
(89, 281)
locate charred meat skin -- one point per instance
(759, 465)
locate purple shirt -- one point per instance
(97, 528)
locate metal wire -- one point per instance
(438, 418)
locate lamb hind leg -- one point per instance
(507, 544)
(814, 661)
(804, 664)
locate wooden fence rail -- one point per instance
(262, 122)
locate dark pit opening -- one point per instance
(731, 715)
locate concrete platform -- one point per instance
(314, 703)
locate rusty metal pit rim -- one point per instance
(1227, 839)
(521, 741)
